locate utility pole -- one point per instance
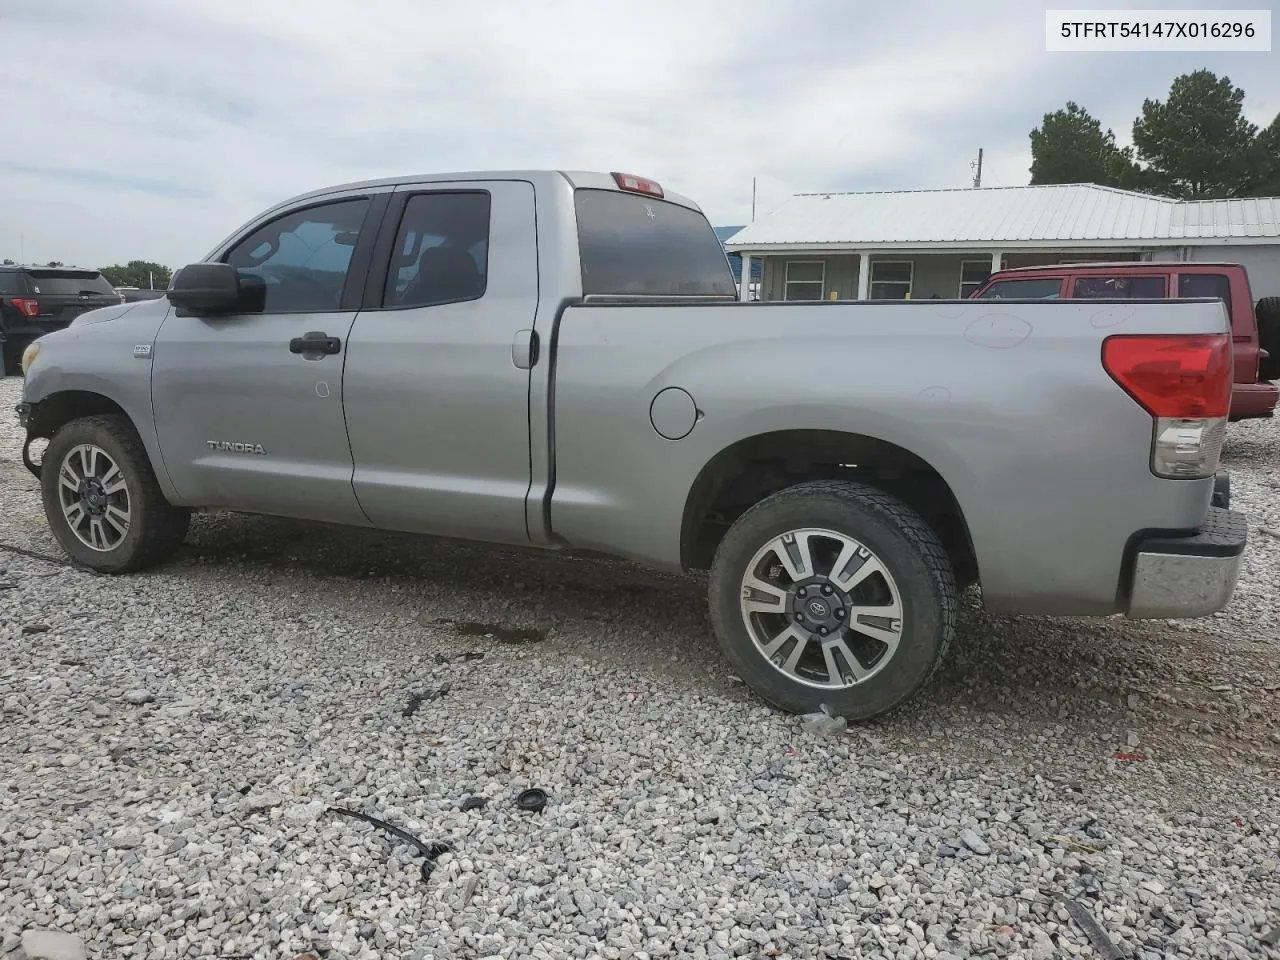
(977, 177)
(753, 199)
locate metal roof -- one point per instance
(1077, 214)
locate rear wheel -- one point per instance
(102, 500)
(834, 596)
(1268, 314)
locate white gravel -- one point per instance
(170, 744)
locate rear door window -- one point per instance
(442, 250)
(69, 283)
(1119, 288)
(1041, 288)
(633, 245)
(1213, 285)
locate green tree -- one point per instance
(1070, 146)
(1197, 143)
(1264, 180)
(8, 262)
(138, 273)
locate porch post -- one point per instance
(744, 286)
(864, 276)
(997, 258)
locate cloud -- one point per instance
(152, 129)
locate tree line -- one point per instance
(1194, 145)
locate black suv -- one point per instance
(36, 300)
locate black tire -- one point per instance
(155, 529)
(1268, 314)
(906, 546)
(11, 359)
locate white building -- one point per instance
(944, 243)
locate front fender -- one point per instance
(95, 369)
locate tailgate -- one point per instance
(63, 294)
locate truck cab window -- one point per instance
(441, 251)
(1212, 285)
(303, 256)
(1119, 288)
(1048, 288)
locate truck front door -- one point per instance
(248, 408)
(436, 387)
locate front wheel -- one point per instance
(834, 596)
(102, 500)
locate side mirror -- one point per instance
(215, 288)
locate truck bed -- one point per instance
(1007, 402)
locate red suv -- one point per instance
(1255, 329)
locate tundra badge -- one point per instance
(228, 446)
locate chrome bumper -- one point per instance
(1192, 576)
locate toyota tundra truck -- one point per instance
(561, 360)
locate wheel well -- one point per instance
(744, 474)
(61, 408)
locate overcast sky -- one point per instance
(150, 129)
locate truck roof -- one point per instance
(1112, 265)
(576, 178)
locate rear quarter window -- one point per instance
(633, 245)
(1211, 285)
(12, 282)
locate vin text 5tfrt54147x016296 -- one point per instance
(562, 360)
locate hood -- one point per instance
(159, 307)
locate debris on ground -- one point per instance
(532, 800)
(31, 628)
(430, 852)
(823, 724)
(138, 697)
(418, 699)
(1085, 920)
(475, 803)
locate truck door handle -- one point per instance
(315, 342)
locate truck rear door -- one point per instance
(436, 391)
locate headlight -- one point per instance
(29, 356)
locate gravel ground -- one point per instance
(172, 743)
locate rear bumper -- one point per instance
(1190, 576)
(1252, 400)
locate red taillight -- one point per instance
(626, 181)
(1180, 377)
(26, 306)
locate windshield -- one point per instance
(633, 245)
(69, 283)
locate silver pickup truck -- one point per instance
(562, 360)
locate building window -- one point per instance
(805, 279)
(973, 273)
(891, 279)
